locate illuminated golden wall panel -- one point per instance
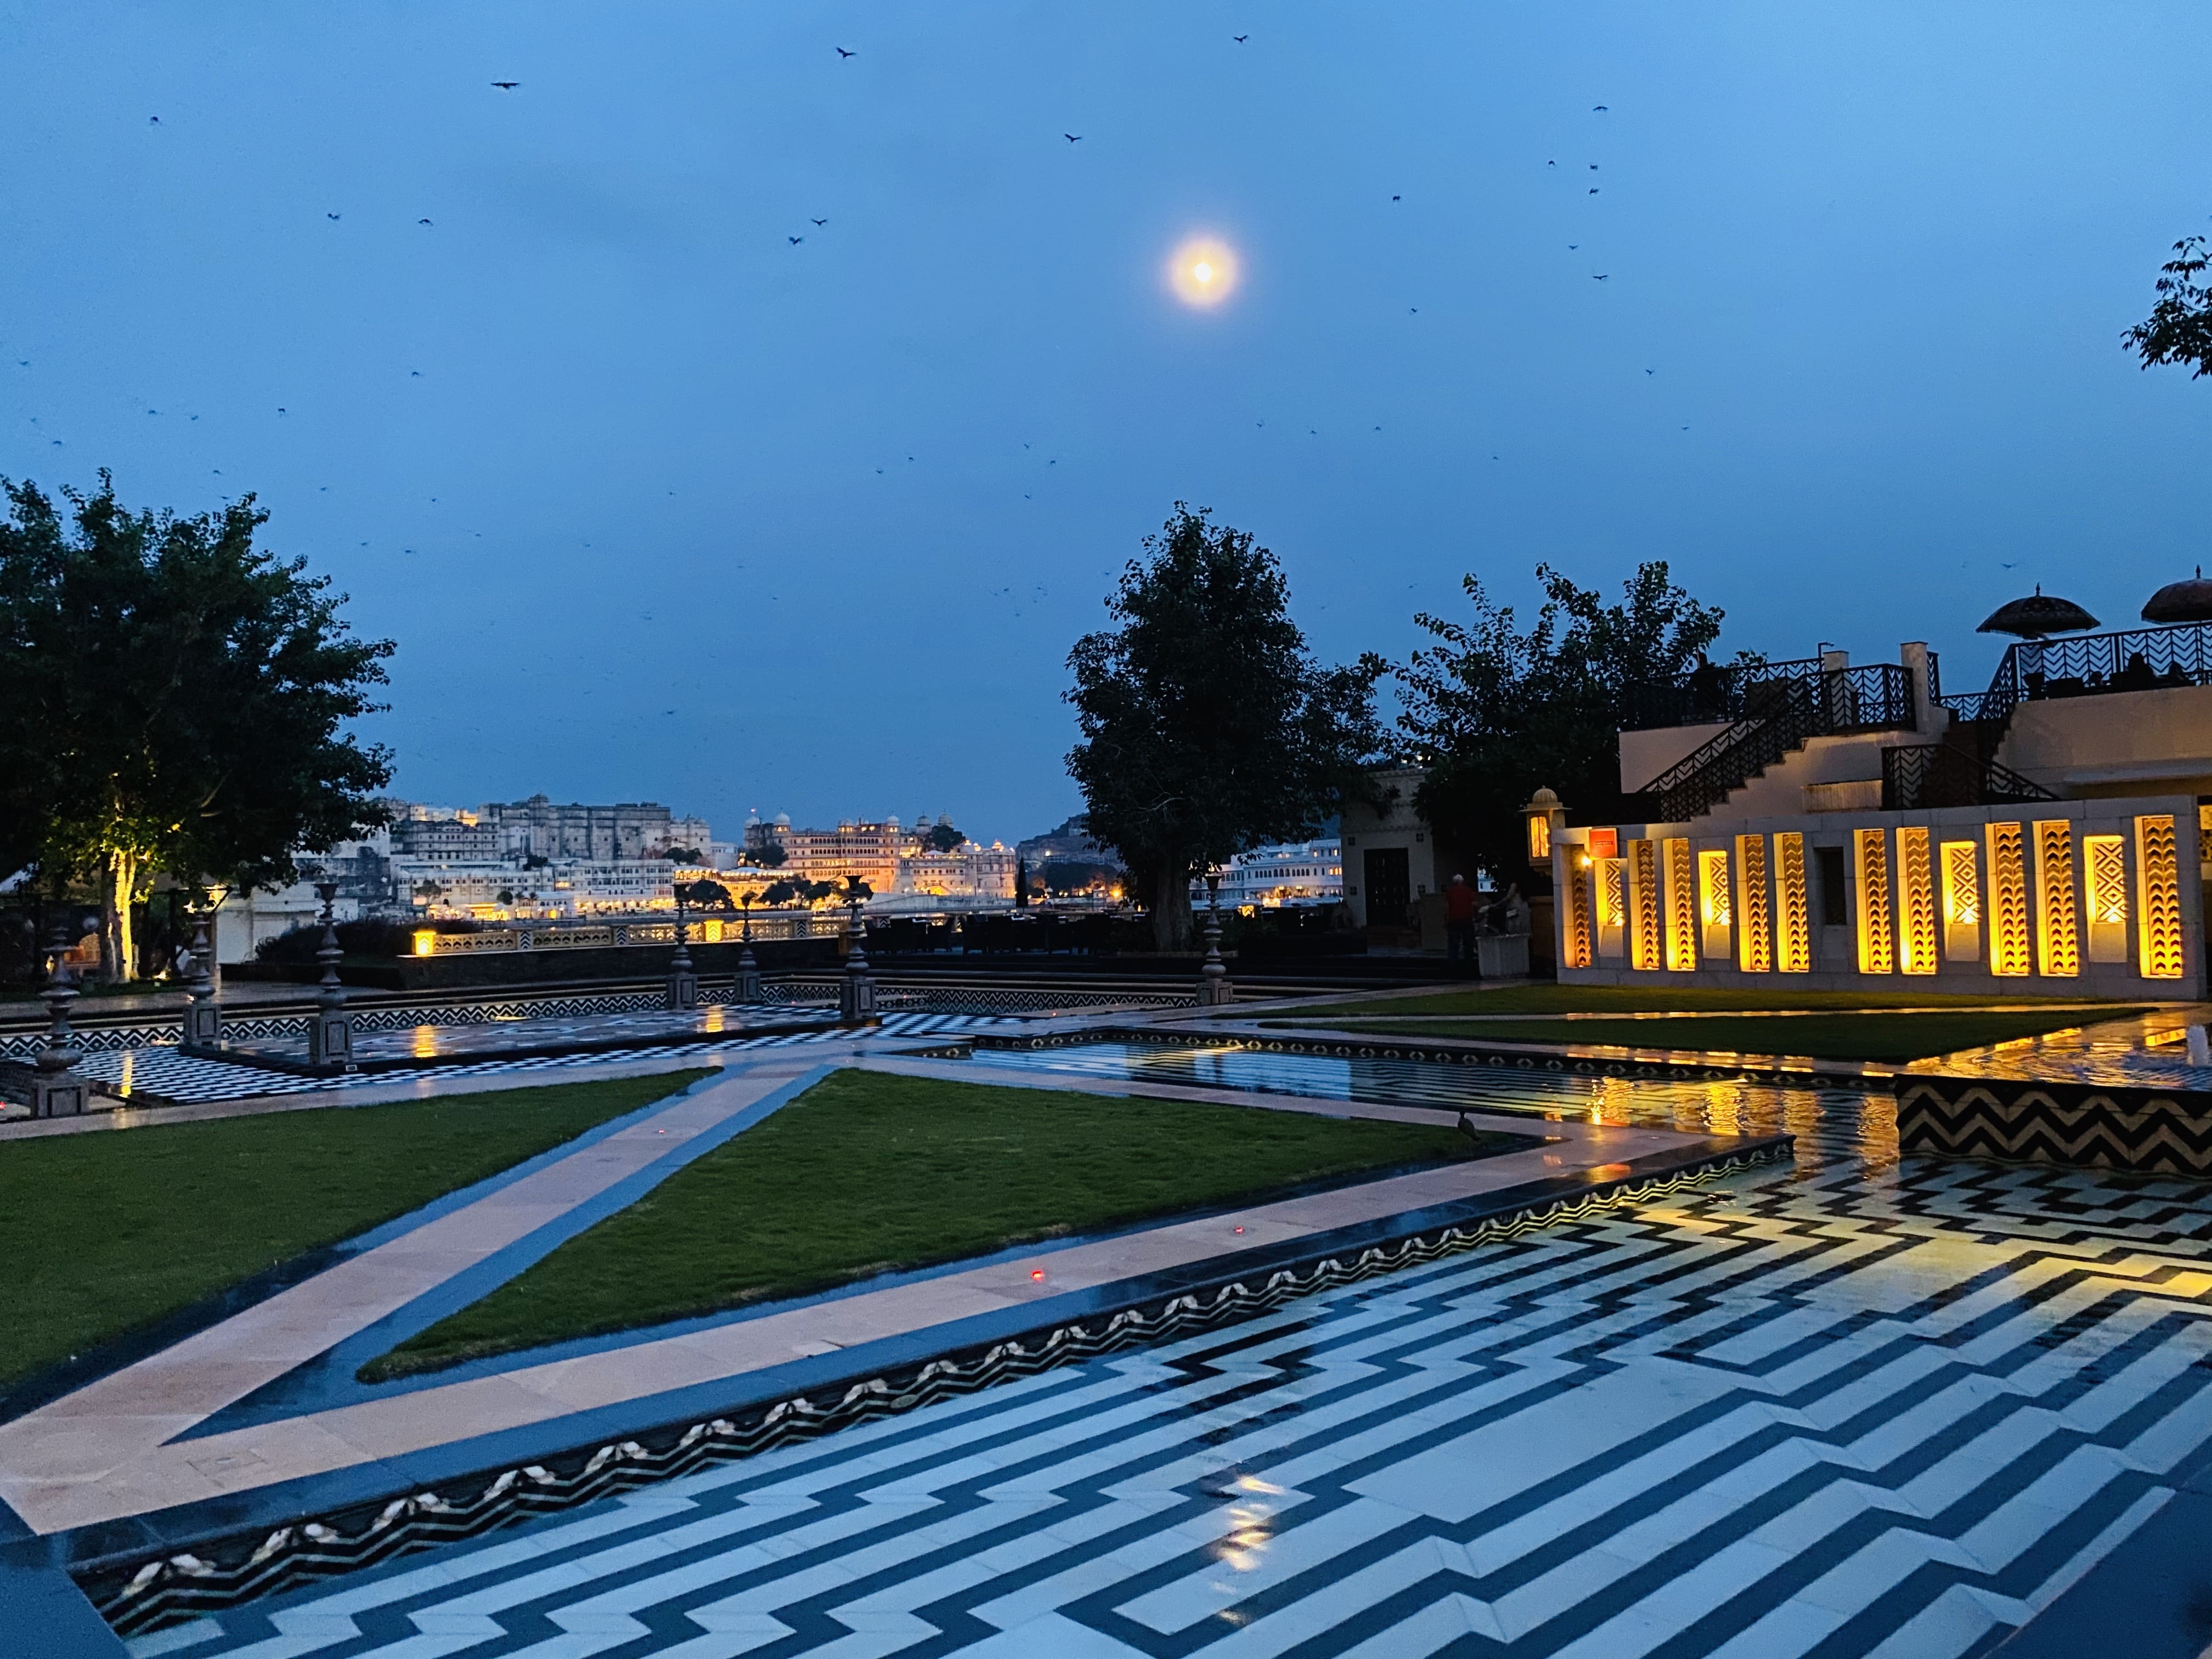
(2057, 923)
(1612, 905)
(2008, 936)
(1716, 903)
(1793, 932)
(1962, 903)
(1643, 904)
(1681, 907)
(2105, 895)
(1576, 949)
(1754, 928)
(1877, 945)
(1915, 903)
(2158, 876)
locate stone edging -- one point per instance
(138, 1596)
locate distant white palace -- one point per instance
(1292, 872)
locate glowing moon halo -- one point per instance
(1202, 271)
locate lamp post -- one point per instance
(856, 997)
(749, 979)
(203, 1013)
(1214, 990)
(56, 1089)
(330, 1037)
(1546, 816)
(683, 991)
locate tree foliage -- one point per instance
(1495, 712)
(943, 838)
(1207, 727)
(175, 698)
(2179, 327)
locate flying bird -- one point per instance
(1597, 109)
(506, 86)
(1551, 164)
(1593, 166)
(1073, 137)
(1651, 371)
(1593, 189)
(333, 215)
(1393, 198)
(1601, 279)
(1571, 247)
(1240, 38)
(841, 52)
(422, 222)
(821, 222)
(794, 240)
(153, 120)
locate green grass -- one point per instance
(1893, 1037)
(103, 1233)
(1641, 999)
(866, 1173)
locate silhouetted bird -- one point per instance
(1601, 279)
(821, 222)
(1073, 137)
(841, 52)
(506, 86)
(422, 222)
(1463, 1125)
(794, 240)
(1597, 109)
(153, 120)
(1571, 247)
(1651, 371)
(332, 216)
(1593, 190)
(1240, 38)
(1393, 198)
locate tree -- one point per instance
(706, 895)
(1207, 727)
(780, 893)
(768, 855)
(1020, 883)
(506, 896)
(943, 838)
(1495, 714)
(177, 697)
(2179, 327)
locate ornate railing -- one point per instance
(1941, 775)
(1782, 713)
(703, 930)
(2092, 665)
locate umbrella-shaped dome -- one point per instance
(2032, 617)
(2181, 602)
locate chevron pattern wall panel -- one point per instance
(2076, 1124)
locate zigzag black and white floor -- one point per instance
(173, 1077)
(1856, 1408)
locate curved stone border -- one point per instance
(136, 1597)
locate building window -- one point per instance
(1915, 903)
(1962, 903)
(1877, 943)
(1835, 900)
(2157, 876)
(2105, 881)
(1753, 932)
(2007, 856)
(2058, 930)
(1716, 904)
(1793, 935)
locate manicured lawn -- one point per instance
(103, 1232)
(1884, 1037)
(1640, 1000)
(866, 1173)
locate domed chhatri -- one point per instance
(2181, 602)
(2039, 614)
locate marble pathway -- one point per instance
(1860, 1408)
(113, 1448)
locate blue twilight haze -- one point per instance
(717, 419)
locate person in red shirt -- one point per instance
(1460, 901)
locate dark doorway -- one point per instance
(1390, 882)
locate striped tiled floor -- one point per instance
(1855, 1407)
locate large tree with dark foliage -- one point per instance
(174, 700)
(1207, 727)
(2179, 327)
(1495, 712)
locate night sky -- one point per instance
(661, 504)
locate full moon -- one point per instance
(1202, 271)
